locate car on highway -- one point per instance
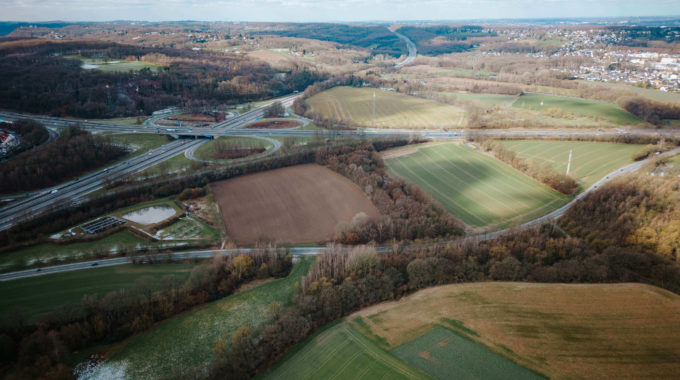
(54, 191)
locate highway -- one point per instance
(38, 202)
(296, 251)
(412, 52)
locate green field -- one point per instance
(444, 354)
(580, 107)
(590, 161)
(354, 106)
(20, 259)
(178, 163)
(42, 294)
(207, 150)
(186, 342)
(474, 187)
(114, 65)
(487, 99)
(339, 351)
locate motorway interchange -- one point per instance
(189, 139)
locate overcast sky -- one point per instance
(325, 10)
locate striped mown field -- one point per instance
(580, 107)
(476, 188)
(590, 161)
(339, 351)
(354, 106)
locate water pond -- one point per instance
(150, 215)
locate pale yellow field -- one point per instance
(354, 106)
(596, 331)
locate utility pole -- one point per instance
(569, 162)
(373, 109)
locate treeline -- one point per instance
(546, 174)
(345, 280)
(377, 39)
(45, 349)
(30, 134)
(637, 211)
(41, 81)
(73, 153)
(651, 111)
(406, 212)
(441, 39)
(131, 191)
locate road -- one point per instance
(204, 254)
(412, 52)
(38, 202)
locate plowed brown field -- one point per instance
(298, 204)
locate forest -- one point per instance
(378, 39)
(449, 39)
(38, 79)
(46, 349)
(30, 134)
(75, 152)
(651, 111)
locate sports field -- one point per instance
(474, 187)
(617, 331)
(580, 107)
(42, 294)
(444, 355)
(297, 204)
(590, 161)
(186, 341)
(354, 106)
(339, 351)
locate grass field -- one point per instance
(474, 187)
(590, 161)
(339, 351)
(487, 99)
(297, 204)
(617, 331)
(42, 294)
(444, 355)
(114, 65)
(19, 259)
(581, 107)
(207, 150)
(186, 341)
(392, 110)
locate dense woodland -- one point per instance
(75, 152)
(378, 39)
(651, 111)
(436, 40)
(30, 134)
(38, 79)
(46, 349)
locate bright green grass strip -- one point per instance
(42, 294)
(186, 342)
(444, 354)
(476, 188)
(339, 351)
(590, 160)
(582, 107)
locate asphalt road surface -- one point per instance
(411, 51)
